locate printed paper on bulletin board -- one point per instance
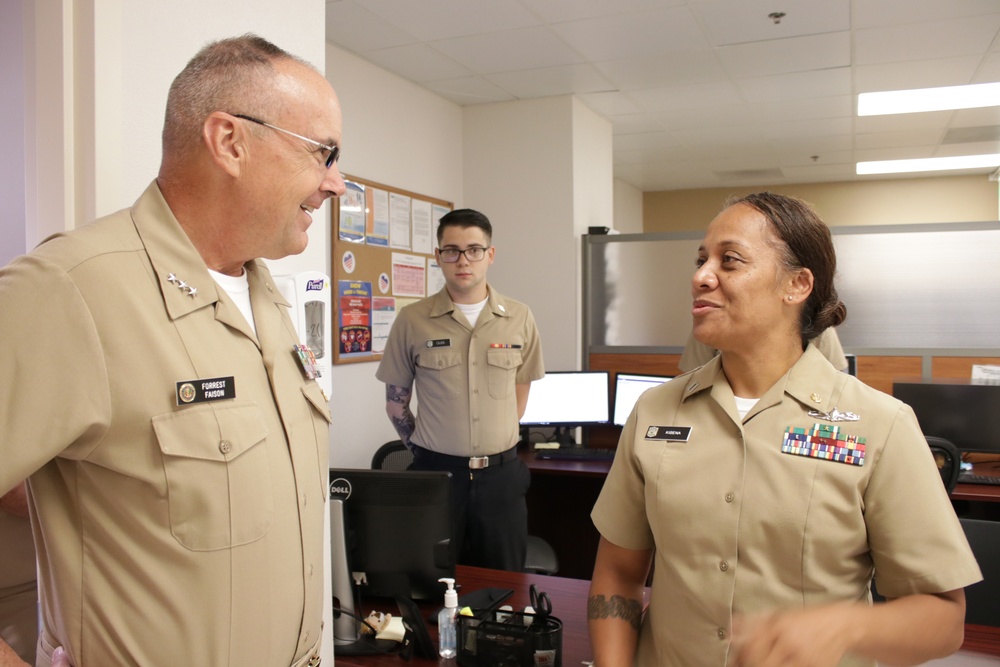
(382, 236)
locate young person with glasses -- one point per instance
(472, 354)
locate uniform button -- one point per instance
(225, 447)
(310, 570)
(269, 288)
(722, 633)
(475, 391)
(305, 500)
(475, 363)
(723, 565)
(730, 497)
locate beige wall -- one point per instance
(876, 202)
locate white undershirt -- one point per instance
(238, 289)
(472, 310)
(745, 405)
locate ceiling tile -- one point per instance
(418, 62)
(795, 54)
(920, 73)
(549, 81)
(880, 13)
(716, 93)
(609, 104)
(431, 20)
(358, 30)
(634, 35)
(740, 21)
(469, 90)
(924, 41)
(510, 50)
(691, 66)
(561, 11)
(797, 85)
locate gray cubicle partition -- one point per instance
(922, 288)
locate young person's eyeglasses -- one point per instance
(333, 152)
(473, 254)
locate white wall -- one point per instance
(12, 82)
(401, 135)
(628, 208)
(519, 171)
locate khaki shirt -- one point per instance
(828, 342)
(465, 376)
(741, 527)
(167, 533)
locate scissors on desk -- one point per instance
(541, 605)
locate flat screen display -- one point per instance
(568, 398)
(628, 388)
(965, 412)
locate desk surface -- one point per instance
(569, 605)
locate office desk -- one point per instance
(569, 605)
(563, 493)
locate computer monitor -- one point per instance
(567, 399)
(966, 412)
(628, 388)
(397, 530)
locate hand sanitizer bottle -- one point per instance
(447, 644)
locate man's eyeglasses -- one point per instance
(473, 254)
(333, 152)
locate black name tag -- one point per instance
(672, 433)
(440, 342)
(211, 389)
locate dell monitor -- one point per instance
(567, 399)
(391, 534)
(628, 388)
(966, 412)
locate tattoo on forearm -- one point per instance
(396, 394)
(402, 419)
(628, 610)
(404, 426)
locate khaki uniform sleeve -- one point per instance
(917, 542)
(532, 366)
(56, 400)
(397, 365)
(620, 511)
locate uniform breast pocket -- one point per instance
(219, 491)
(441, 374)
(503, 365)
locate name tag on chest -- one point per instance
(210, 389)
(669, 433)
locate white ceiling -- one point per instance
(704, 93)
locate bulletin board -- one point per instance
(383, 244)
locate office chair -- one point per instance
(393, 455)
(948, 460)
(540, 558)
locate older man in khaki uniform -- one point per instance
(175, 449)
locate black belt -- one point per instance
(465, 462)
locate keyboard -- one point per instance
(574, 454)
(972, 478)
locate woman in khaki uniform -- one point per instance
(771, 487)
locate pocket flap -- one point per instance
(210, 432)
(439, 359)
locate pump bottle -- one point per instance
(447, 644)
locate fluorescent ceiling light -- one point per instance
(929, 99)
(929, 164)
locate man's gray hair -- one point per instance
(232, 75)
